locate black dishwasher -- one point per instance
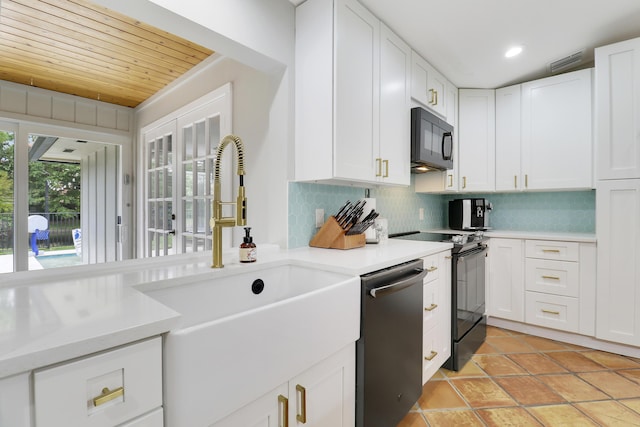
(389, 351)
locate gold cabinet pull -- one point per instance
(302, 416)
(551, 277)
(450, 180)
(108, 395)
(464, 182)
(515, 181)
(432, 93)
(555, 251)
(431, 356)
(379, 162)
(432, 268)
(526, 181)
(550, 312)
(431, 307)
(436, 92)
(448, 257)
(386, 168)
(284, 403)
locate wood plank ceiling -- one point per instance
(79, 48)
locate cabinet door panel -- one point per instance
(506, 279)
(325, 394)
(265, 411)
(617, 110)
(556, 132)
(618, 284)
(508, 139)
(395, 143)
(476, 140)
(356, 92)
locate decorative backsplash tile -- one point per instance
(572, 211)
(563, 211)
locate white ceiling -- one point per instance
(466, 39)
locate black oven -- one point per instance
(468, 267)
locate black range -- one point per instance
(468, 321)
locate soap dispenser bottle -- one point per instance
(248, 251)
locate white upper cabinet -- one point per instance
(476, 140)
(339, 92)
(428, 86)
(508, 146)
(557, 145)
(395, 112)
(618, 110)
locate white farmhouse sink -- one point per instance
(233, 345)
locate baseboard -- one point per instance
(568, 337)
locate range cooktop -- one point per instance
(461, 241)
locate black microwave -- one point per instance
(431, 142)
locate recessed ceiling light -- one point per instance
(513, 51)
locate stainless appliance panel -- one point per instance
(389, 351)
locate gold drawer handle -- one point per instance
(302, 416)
(108, 395)
(448, 257)
(284, 421)
(431, 307)
(450, 180)
(551, 277)
(433, 268)
(430, 357)
(551, 312)
(386, 168)
(555, 251)
(379, 163)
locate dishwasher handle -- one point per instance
(399, 285)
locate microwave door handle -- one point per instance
(444, 138)
(398, 286)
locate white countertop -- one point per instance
(50, 316)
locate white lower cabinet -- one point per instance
(544, 283)
(618, 225)
(324, 395)
(109, 389)
(505, 291)
(15, 401)
(436, 339)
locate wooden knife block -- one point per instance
(332, 236)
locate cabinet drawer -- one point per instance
(436, 349)
(432, 306)
(561, 251)
(552, 277)
(552, 311)
(65, 395)
(431, 264)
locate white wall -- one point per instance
(256, 38)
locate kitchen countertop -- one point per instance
(50, 316)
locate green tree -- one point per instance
(60, 182)
(6, 171)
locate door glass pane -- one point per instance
(188, 216)
(6, 201)
(160, 152)
(187, 135)
(200, 139)
(201, 218)
(202, 178)
(214, 134)
(169, 150)
(152, 154)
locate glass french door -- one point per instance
(180, 159)
(160, 184)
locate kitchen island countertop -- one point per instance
(50, 316)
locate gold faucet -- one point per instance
(217, 220)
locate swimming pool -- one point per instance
(57, 261)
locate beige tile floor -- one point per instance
(521, 380)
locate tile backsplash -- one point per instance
(572, 211)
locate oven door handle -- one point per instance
(399, 285)
(478, 250)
